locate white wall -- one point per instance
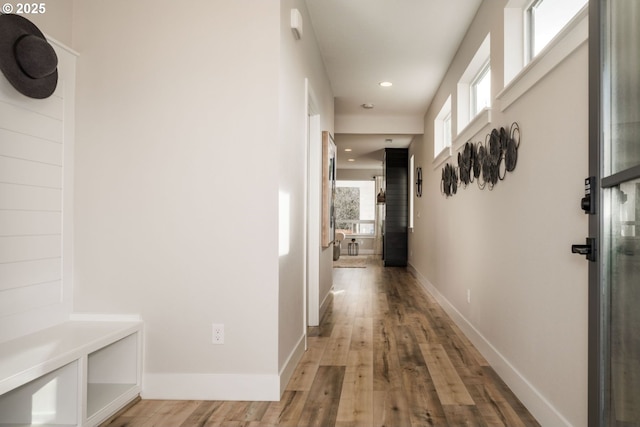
(300, 60)
(177, 187)
(510, 247)
(190, 121)
(56, 21)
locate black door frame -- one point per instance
(595, 371)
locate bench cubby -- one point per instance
(78, 373)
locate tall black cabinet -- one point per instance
(396, 222)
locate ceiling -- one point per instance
(364, 42)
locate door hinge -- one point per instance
(588, 250)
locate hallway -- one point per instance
(385, 354)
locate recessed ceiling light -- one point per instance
(351, 160)
(348, 149)
(385, 84)
(367, 106)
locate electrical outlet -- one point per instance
(218, 333)
(469, 296)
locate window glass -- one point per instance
(446, 131)
(442, 129)
(481, 90)
(355, 207)
(547, 18)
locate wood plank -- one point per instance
(381, 305)
(287, 412)
(247, 411)
(356, 399)
(362, 334)
(511, 411)
(305, 372)
(423, 330)
(201, 414)
(337, 350)
(464, 416)
(424, 403)
(172, 413)
(218, 416)
(390, 408)
(448, 383)
(386, 366)
(407, 347)
(321, 407)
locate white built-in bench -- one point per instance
(78, 373)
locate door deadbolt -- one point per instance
(587, 202)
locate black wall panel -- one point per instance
(397, 207)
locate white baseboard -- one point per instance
(292, 361)
(238, 387)
(235, 387)
(535, 402)
(325, 302)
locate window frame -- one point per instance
(485, 71)
(469, 121)
(530, 29)
(519, 76)
(442, 149)
(363, 186)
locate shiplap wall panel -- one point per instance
(30, 297)
(25, 121)
(26, 248)
(27, 147)
(26, 198)
(26, 172)
(29, 223)
(21, 274)
(36, 203)
(52, 107)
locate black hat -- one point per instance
(27, 60)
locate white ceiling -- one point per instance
(407, 42)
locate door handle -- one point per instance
(588, 249)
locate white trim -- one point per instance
(572, 36)
(292, 362)
(250, 387)
(480, 60)
(104, 317)
(325, 302)
(444, 155)
(61, 45)
(312, 219)
(438, 129)
(535, 402)
(474, 127)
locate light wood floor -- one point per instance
(385, 354)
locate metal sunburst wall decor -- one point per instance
(486, 162)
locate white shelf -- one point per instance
(100, 396)
(74, 374)
(51, 398)
(38, 425)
